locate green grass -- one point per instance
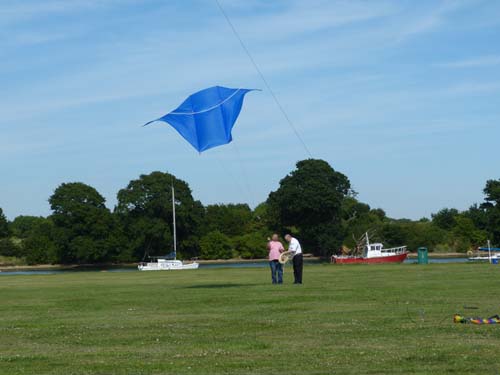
(377, 319)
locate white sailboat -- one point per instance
(163, 263)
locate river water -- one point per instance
(202, 266)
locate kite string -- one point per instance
(227, 171)
(249, 189)
(297, 134)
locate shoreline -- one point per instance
(117, 265)
(127, 265)
(412, 255)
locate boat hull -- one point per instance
(167, 266)
(396, 258)
(493, 259)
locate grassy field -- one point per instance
(343, 320)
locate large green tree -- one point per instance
(478, 215)
(445, 218)
(230, 219)
(38, 243)
(492, 192)
(310, 199)
(358, 218)
(466, 235)
(84, 229)
(22, 226)
(492, 207)
(4, 225)
(145, 209)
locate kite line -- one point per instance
(297, 134)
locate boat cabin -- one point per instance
(374, 250)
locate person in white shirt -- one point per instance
(298, 262)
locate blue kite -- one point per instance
(206, 118)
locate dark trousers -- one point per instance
(276, 272)
(298, 263)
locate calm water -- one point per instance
(202, 266)
(439, 260)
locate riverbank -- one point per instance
(21, 267)
(128, 265)
(439, 255)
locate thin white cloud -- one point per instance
(21, 10)
(33, 37)
(154, 64)
(477, 62)
(19, 20)
(143, 60)
(472, 88)
(301, 18)
(431, 20)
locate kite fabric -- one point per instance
(206, 118)
(495, 319)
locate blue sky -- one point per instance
(401, 96)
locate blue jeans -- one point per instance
(276, 271)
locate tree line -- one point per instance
(314, 202)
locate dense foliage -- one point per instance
(314, 202)
(309, 200)
(84, 230)
(4, 225)
(145, 212)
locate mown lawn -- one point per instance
(378, 319)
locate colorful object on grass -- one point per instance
(206, 118)
(495, 319)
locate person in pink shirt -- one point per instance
(275, 248)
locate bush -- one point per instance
(23, 226)
(9, 248)
(215, 245)
(40, 250)
(12, 261)
(250, 246)
(443, 248)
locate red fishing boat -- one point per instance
(373, 253)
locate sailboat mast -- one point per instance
(173, 220)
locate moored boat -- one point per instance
(163, 264)
(168, 262)
(492, 257)
(373, 253)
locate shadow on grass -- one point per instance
(216, 286)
